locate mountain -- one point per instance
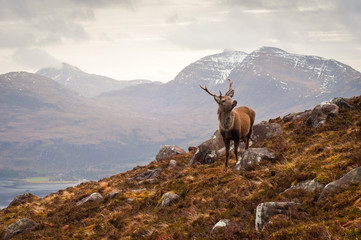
(276, 82)
(45, 128)
(131, 205)
(88, 85)
(213, 69)
(44, 124)
(271, 81)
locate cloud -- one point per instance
(35, 58)
(253, 23)
(37, 23)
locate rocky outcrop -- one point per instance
(169, 198)
(265, 130)
(253, 156)
(207, 151)
(295, 116)
(148, 176)
(321, 113)
(310, 186)
(94, 197)
(20, 226)
(342, 103)
(348, 180)
(169, 150)
(23, 198)
(266, 210)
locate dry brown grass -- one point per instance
(209, 193)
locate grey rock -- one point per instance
(168, 151)
(348, 180)
(148, 176)
(265, 130)
(268, 209)
(206, 152)
(294, 116)
(253, 156)
(112, 195)
(310, 186)
(341, 103)
(221, 224)
(321, 113)
(23, 198)
(20, 226)
(94, 197)
(172, 163)
(169, 198)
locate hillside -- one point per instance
(45, 128)
(208, 193)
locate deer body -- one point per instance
(235, 124)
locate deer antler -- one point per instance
(205, 89)
(230, 86)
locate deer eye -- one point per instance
(223, 101)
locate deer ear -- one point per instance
(217, 99)
(230, 93)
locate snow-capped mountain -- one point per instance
(88, 85)
(286, 81)
(213, 69)
(55, 123)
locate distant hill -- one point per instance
(45, 128)
(46, 124)
(131, 205)
(88, 85)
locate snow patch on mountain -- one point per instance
(213, 69)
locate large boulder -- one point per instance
(253, 156)
(94, 197)
(341, 103)
(348, 180)
(265, 130)
(168, 151)
(169, 198)
(321, 113)
(20, 226)
(23, 198)
(268, 209)
(309, 185)
(207, 151)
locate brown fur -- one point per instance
(234, 123)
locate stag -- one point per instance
(234, 123)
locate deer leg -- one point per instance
(246, 141)
(248, 137)
(236, 144)
(227, 143)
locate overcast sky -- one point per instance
(156, 39)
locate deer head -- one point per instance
(225, 103)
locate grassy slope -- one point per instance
(208, 193)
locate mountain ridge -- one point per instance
(88, 85)
(152, 114)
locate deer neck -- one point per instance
(226, 120)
